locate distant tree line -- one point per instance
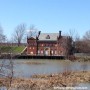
(19, 35)
(83, 45)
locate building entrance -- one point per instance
(47, 51)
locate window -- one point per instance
(41, 52)
(61, 52)
(56, 45)
(38, 52)
(52, 52)
(55, 52)
(31, 52)
(47, 37)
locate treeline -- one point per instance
(80, 45)
(83, 45)
(19, 34)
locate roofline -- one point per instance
(47, 40)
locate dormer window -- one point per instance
(47, 37)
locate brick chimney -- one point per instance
(39, 33)
(60, 33)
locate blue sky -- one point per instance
(46, 15)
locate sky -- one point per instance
(48, 16)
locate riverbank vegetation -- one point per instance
(82, 58)
(48, 82)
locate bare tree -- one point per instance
(86, 41)
(87, 36)
(32, 32)
(2, 36)
(67, 45)
(73, 34)
(83, 45)
(6, 69)
(75, 39)
(19, 33)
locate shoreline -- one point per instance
(44, 82)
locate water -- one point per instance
(26, 68)
(84, 86)
(3, 88)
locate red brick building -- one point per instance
(52, 44)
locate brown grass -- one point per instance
(44, 82)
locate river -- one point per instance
(26, 68)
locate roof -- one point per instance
(48, 36)
(31, 36)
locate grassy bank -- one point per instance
(13, 49)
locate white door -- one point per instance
(46, 52)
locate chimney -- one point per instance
(39, 33)
(60, 33)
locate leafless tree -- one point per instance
(2, 36)
(86, 38)
(87, 35)
(32, 32)
(75, 40)
(86, 41)
(83, 45)
(6, 69)
(73, 34)
(19, 33)
(67, 45)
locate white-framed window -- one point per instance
(41, 51)
(56, 45)
(31, 52)
(38, 51)
(55, 52)
(52, 51)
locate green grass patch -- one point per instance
(11, 49)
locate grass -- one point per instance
(13, 49)
(17, 49)
(47, 81)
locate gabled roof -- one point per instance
(48, 36)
